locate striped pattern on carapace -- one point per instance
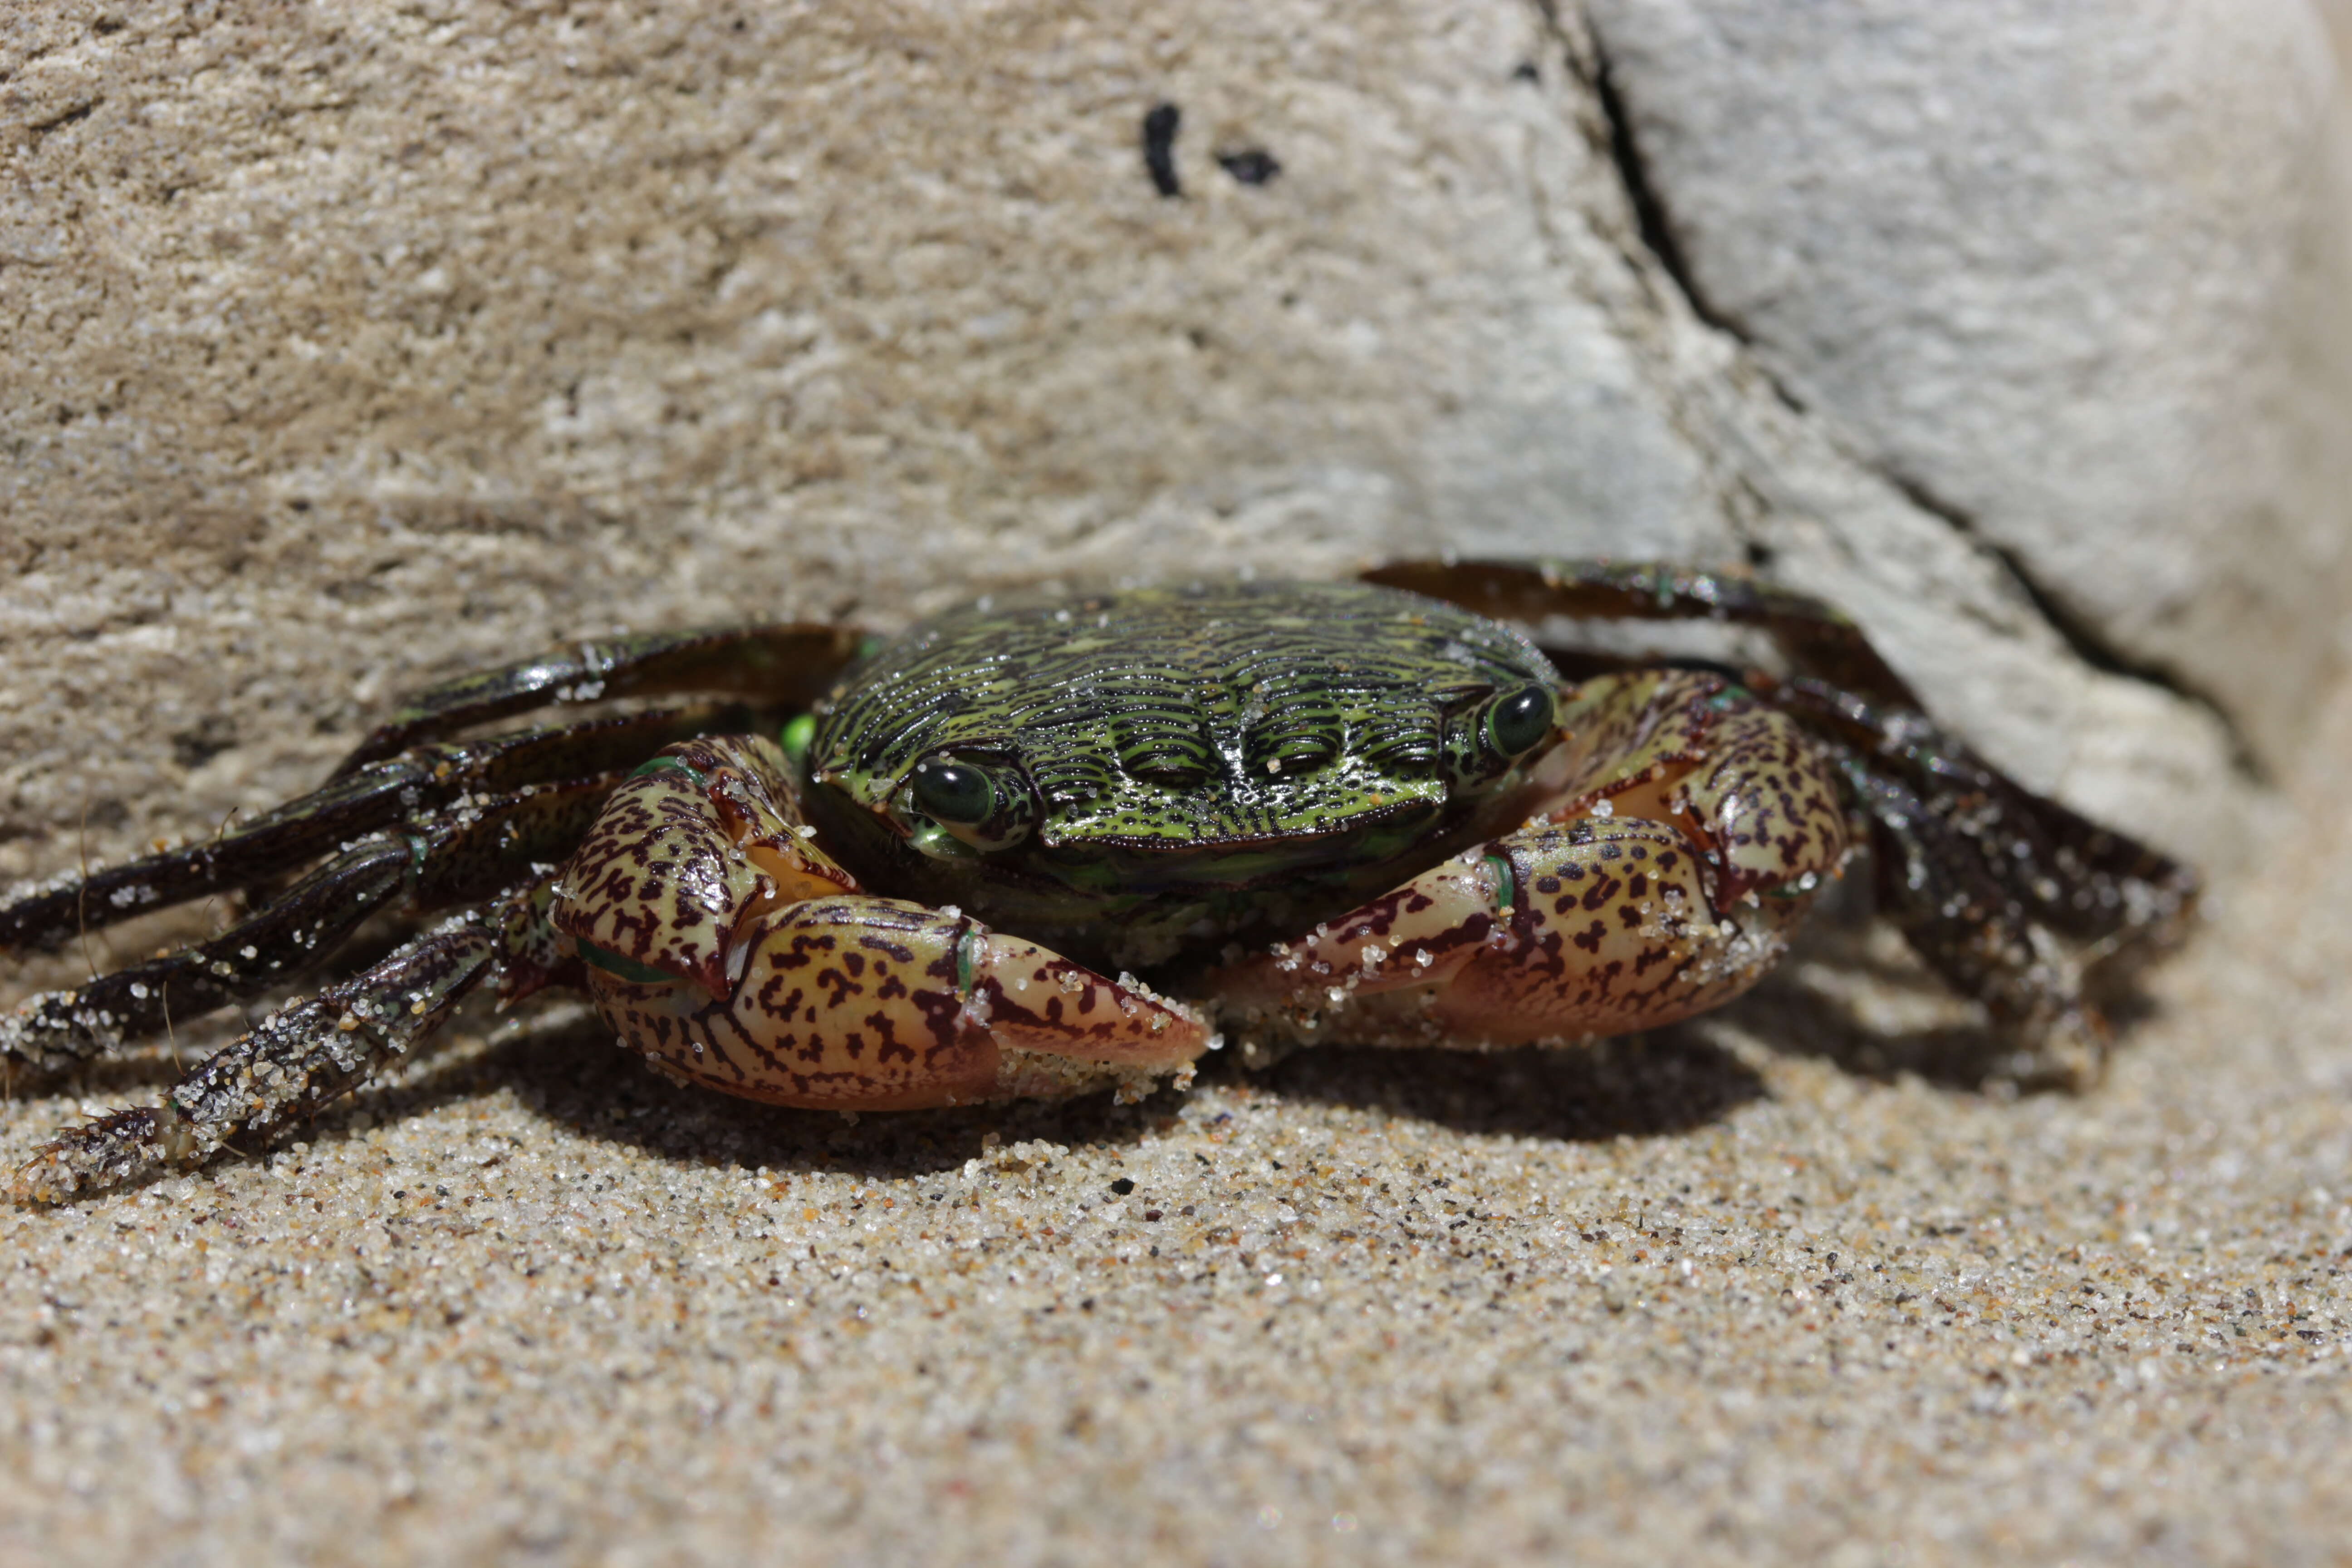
(1176, 719)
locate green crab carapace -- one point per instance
(1040, 848)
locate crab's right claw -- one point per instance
(720, 941)
(862, 1003)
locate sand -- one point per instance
(1756, 1290)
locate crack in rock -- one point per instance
(1655, 223)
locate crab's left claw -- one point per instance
(1665, 893)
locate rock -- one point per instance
(351, 348)
(2073, 276)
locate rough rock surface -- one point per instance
(349, 347)
(345, 346)
(2074, 275)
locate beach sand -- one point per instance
(1754, 1290)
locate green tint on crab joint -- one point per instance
(798, 730)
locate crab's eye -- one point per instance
(953, 807)
(952, 791)
(1519, 722)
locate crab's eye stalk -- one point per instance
(954, 805)
(1488, 735)
(952, 794)
(1520, 721)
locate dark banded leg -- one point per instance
(1933, 885)
(785, 666)
(299, 1061)
(410, 787)
(1818, 638)
(311, 920)
(2009, 896)
(2086, 882)
(492, 844)
(2012, 898)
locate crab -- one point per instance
(1045, 848)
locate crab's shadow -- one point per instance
(569, 1073)
(1854, 995)
(1965, 1056)
(1652, 1086)
(1671, 1082)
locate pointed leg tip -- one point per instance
(113, 1152)
(48, 1177)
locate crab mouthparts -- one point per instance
(1156, 864)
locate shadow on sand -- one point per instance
(1830, 1004)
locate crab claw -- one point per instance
(862, 1003)
(722, 944)
(685, 857)
(1758, 795)
(1663, 891)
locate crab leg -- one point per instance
(1933, 883)
(2008, 897)
(785, 666)
(2083, 880)
(309, 922)
(294, 1064)
(495, 842)
(722, 944)
(1817, 637)
(410, 786)
(1690, 836)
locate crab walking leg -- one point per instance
(866, 1003)
(1934, 884)
(311, 920)
(2087, 882)
(2012, 898)
(1817, 637)
(296, 1063)
(784, 665)
(409, 787)
(495, 842)
(1690, 836)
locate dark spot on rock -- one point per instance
(1122, 1186)
(1250, 165)
(1160, 148)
